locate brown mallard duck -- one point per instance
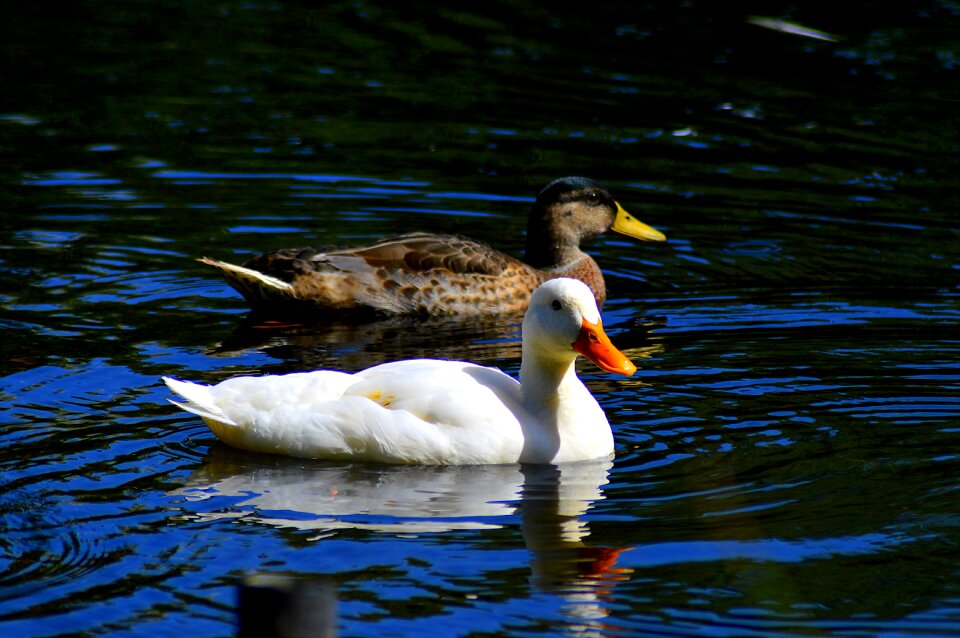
(433, 275)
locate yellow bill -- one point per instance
(627, 224)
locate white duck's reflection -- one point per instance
(550, 501)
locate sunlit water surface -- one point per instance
(787, 455)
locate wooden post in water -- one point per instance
(281, 606)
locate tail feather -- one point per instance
(254, 285)
(199, 400)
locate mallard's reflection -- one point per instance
(550, 501)
(354, 345)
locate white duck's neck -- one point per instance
(547, 382)
(565, 419)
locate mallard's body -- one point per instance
(429, 274)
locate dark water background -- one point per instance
(788, 456)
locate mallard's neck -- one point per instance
(545, 256)
(548, 245)
(544, 251)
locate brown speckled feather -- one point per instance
(430, 274)
(418, 273)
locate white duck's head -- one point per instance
(562, 321)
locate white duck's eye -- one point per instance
(556, 305)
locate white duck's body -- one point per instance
(426, 411)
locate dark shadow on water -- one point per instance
(350, 345)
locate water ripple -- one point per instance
(786, 455)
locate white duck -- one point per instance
(433, 412)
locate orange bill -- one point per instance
(594, 344)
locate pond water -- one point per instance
(788, 455)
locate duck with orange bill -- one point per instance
(429, 411)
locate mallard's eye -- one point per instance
(593, 197)
(556, 305)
